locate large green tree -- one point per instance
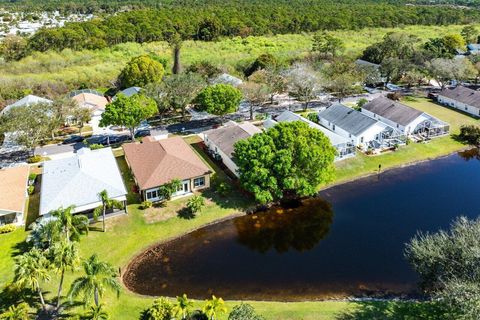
(288, 160)
(327, 45)
(64, 257)
(128, 112)
(449, 266)
(219, 99)
(141, 71)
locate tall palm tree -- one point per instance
(31, 268)
(96, 313)
(183, 306)
(72, 225)
(213, 307)
(98, 277)
(65, 257)
(107, 203)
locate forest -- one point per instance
(209, 20)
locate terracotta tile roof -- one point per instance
(13, 184)
(155, 163)
(90, 100)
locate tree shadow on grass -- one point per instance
(395, 310)
(20, 248)
(186, 214)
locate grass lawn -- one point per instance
(130, 234)
(363, 165)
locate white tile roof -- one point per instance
(77, 180)
(27, 101)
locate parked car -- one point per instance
(73, 139)
(113, 139)
(142, 133)
(98, 140)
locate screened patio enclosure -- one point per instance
(431, 128)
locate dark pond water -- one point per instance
(349, 241)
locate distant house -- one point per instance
(155, 163)
(91, 99)
(77, 180)
(344, 146)
(473, 48)
(362, 130)
(26, 101)
(131, 91)
(220, 141)
(13, 194)
(406, 119)
(461, 98)
(226, 78)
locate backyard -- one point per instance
(130, 234)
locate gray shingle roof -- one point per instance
(350, 120)
(463, 95)
(225, 137)
(335, 139)
(392, 110)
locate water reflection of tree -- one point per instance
(470, 154)
(283, 229)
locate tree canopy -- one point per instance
(288, 160)
(219, 99)
(141, 71)
(128, 112)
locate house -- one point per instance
(13, 194)
(473, 48)
(157, 162)
(131, 91)
(220, 141)
(406, 119)
(78, 179)
(461, 98)
(344, 146)
(226, 78)
(363, 131)
(26, 101)
(91, 99)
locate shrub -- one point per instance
(195, 204)
(244, 311)
(31, 189)
(168, 189)
(470, 134)
(146, 204)
(161, 309)
(34, 159)
(197, 315)
(360, 104)
(7, 228)
(96, 146)
(223, 189)
(394, 96)
(313, 117)
(32, 177)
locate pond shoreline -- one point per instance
(137, 258)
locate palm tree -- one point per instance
(213, 307)
(96, 313)
(98, 277)
(31, 268)
(183, 306)
(107, 203)
(65, 257)
(72, 225)
(18, 312)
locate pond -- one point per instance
(347, 242)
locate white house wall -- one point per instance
(368, 135)
(459, 105)
(412, 125)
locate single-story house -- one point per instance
(473, 48)
(27, 101)
(77, 180)
(220, 141)
(91, 99)
(344, 146)
(157, 162)
(226, 78)
(363, 131)
(131, 91)
(410, 121)
(13, 194)
(461, 98)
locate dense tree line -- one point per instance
(209, 20)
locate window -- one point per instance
(152, 194)
(199, 182)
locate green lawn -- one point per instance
(130, 234)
